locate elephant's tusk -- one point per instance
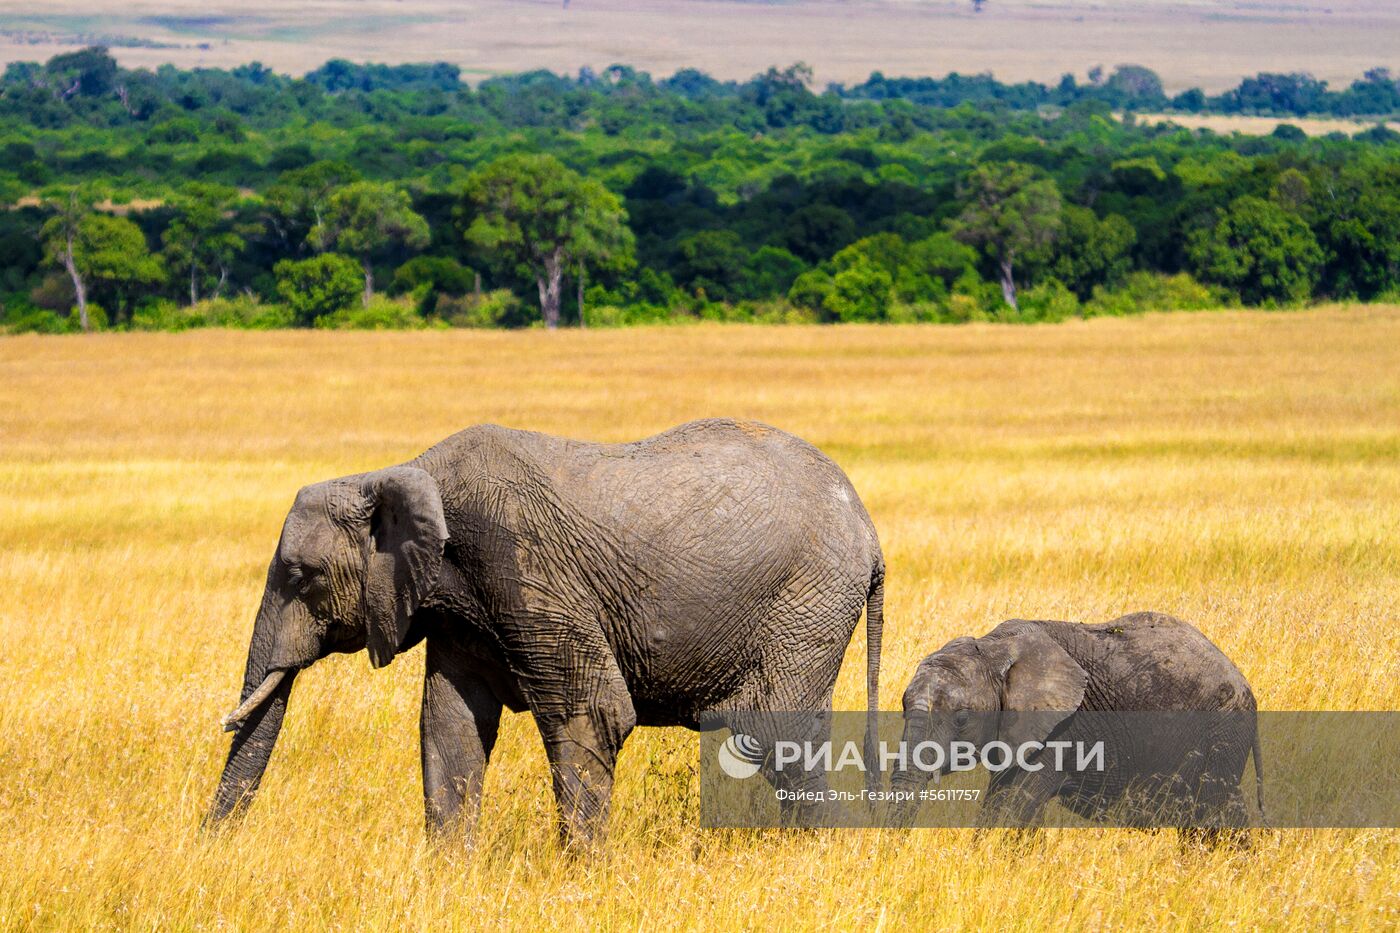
(269, 684)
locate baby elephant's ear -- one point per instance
(407, 536)
(1041, 685)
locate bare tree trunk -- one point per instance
(476, 287)
(369, 280)
(194, 293)
(223, 278)
(79, 289)
(551, 288)
(1008, 283)
(582, 282)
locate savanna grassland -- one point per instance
(1241, 470)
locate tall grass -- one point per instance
(1240, 470)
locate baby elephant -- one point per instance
(1175, 716)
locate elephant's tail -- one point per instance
(874, 631)
(1258, 774)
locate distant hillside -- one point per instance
(1205, 43)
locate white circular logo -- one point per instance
(740, 756)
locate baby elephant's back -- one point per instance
(1158, 662)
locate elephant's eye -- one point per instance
(296, 576)
(960, 717)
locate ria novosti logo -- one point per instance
(741, 756)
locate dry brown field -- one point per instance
(1210, 43)
(1256, 126)
(1238, 469)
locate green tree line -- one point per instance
(398, 196)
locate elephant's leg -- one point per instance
(458, 729)
(766, 717)
(584, 716)
(804, 796)
(1219, 812)
(786, 696)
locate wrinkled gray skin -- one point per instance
(714, 568)
(1030, 677)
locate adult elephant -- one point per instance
(717, 568)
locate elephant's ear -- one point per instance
(407, 533)
(1041, 685)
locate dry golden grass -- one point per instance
(1238, 469)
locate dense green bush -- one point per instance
(608, 315)
(242, 312)
(164, 314)
(920, 312)
(316, 287)
(1260, 250)
(1150, 291)
(247, 313)
(21, 316)
(32, 320)
(861, 291)
(381, 314)
(813, 291)
(747, 312)
(1048, 301)
(499, 308)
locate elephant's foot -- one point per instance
(452, 838)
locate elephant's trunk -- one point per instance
(281, 646)
(249, 754)
(909, 779)
(915, 731)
